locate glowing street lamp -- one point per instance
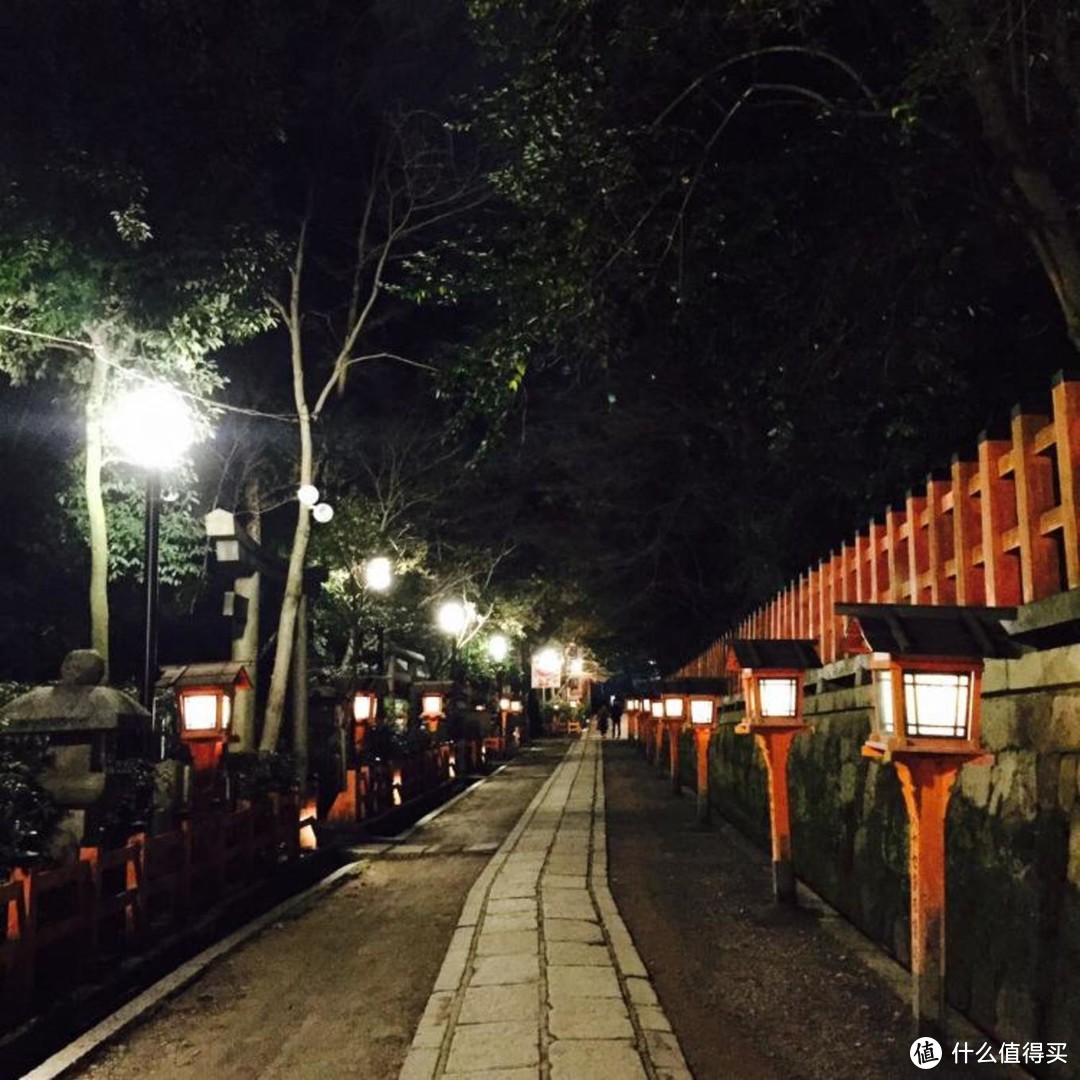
(378, 574)
(152, 428)
(927, 663)
(772, 679)
(498, 648)
(453, 618)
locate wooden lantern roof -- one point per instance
(783, 654)
(224, 673)
(973, 633)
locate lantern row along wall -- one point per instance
(1001, 530)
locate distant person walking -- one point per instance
(616, 719)
(602, 716)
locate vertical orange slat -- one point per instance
(939, 539)
(879, 565)
(828, 595)
(1033, 475)
(894, 548)
(918, 556)
(1066, 400)
(998, 514)
(967, 530)
(862, 570)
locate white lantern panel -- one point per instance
(226, 711)
(937, 704)
(657, 708)
(363, 706)
(701, 711)
(777, 697)
(673, 707)
(431, 704)
(886, 721)
(200, 712)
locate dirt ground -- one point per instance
(753, 991)
(337, 990)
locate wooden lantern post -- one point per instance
(656, 716)
(703, 721)
(772, 679)
(927, 663)
(674, 708)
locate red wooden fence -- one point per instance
(109, 900)
(999, 530)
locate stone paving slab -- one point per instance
(542, 979)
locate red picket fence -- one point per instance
(59, 923)
(373, 790)
(1002, 529)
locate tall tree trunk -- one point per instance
(95, 503)
(294, 579)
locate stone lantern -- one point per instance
(86, 725)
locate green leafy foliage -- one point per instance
(255, 775)
(28, 813)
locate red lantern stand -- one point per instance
(927, 722)
(772, 675)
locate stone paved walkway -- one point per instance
(542, 979)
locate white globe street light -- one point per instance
(322, 512)
(308, 494)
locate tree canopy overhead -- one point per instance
(788, 259)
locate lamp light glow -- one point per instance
(308, 494)
(322, 512)
(498, 648)
(673, 706)
(363, 706)
(777, 696)
(151, 426)
(431, 705)
(702, 710)
(378, 573)
(453, 617)
(200, 711)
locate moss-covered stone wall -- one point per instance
(1013, 837)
